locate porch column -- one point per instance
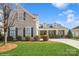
(56, 32)
(47, 32)
(65, 32)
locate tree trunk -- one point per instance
(5, 36)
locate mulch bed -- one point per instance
(7, 47)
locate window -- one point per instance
(51, 26)
(61, 32)
(13, 31)
(52, 32)
(28, 31)
(20, 15)
(41, 26)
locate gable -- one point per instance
(21, 9)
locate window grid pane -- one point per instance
(12, 32)
(28, 31)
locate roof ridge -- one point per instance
(77, 27)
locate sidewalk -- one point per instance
(73, 43)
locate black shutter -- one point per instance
(24, 32)
(32, 31)
(24, 15)
(16, 32)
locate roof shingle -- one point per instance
(76, 27)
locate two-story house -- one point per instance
(22, 23)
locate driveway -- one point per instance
(70, 42)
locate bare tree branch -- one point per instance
(6, 8)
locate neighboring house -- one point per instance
(1, 28)
(52, 29)
(75, 31)
(1, 23)
(22, 23)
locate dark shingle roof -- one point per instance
(76, 27)
(54, 25)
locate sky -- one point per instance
(66, 14)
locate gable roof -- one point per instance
(54, 25)
(76, 27)
(19, 6)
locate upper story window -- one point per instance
(51, 26)
(21, 15)
(41, 26)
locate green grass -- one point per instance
(42, 49)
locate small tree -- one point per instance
(6, 8)
(69, 35)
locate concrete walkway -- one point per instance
(73, 43)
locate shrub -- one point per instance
(58, 36)
(62, 36)
(76, 37)
(69, 35)
(45, 38)
(9, 38)
(1, 37)
(51, 36)
(19, 38)
(28, 38)
(36, 38)
(32, 39)
(55, 36)
(0, 34)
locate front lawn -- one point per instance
(41, 49)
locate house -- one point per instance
(52, 29)
(22, 23)
(1, 28)
(75, 31)
(1, 23)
